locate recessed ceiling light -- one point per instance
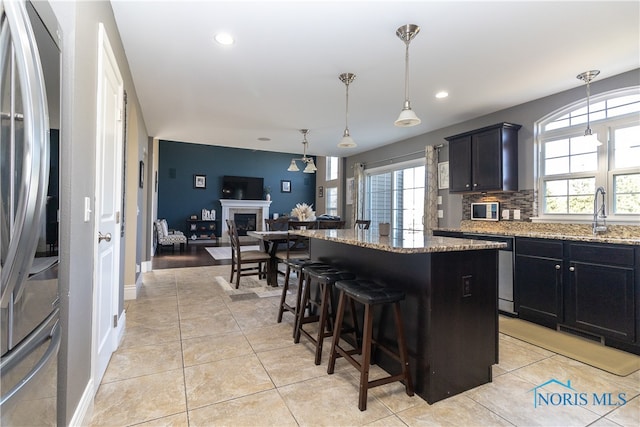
(264, 138)
(224, 38)
(442, 94)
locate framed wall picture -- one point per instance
(443, 175)
(199, 181)
(349, 192)
(285, 186)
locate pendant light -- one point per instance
(587, 77)
(308, 161)
(407, 117)
(347, 141)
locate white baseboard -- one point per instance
(147, 266)
(122, 325)
(84, 410)
(131, 291)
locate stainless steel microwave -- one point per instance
(485, 211)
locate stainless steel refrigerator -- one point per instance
(29, 146)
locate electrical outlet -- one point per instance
(439, 200)
(466, 286)
(516, 214)
(440, 213)
(505, 214)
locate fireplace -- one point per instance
(232, 207)
(245, 222)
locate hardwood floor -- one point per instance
(194, 255)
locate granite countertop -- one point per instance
(615, 234)
(408, 243)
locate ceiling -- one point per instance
(281, 74)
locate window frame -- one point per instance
(330, 174)
(606, 171)
(327, 196)
(391, 168)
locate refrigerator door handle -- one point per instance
(31, 195)
(13, 359)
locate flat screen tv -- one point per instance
(242, 187)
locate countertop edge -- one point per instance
(548, 235)
(431, 244)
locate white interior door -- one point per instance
(107, 206)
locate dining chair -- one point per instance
(245, 263)
(299, 225)
(331, 224)
(363, 224)
(278, 224)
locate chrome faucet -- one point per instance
(599, 212)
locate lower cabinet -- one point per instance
(601, 287)
(589, 288)
(538, 278)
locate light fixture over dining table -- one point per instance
(308, 161)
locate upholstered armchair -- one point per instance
(166, 237)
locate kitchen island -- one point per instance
(450, 312)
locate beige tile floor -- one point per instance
(191, 356)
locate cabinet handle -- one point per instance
(572, 269)
(557, 266)
(475, 185)
(466, 185)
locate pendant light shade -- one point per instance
(293, 167)
(347, 141)
(407, 117)
(310, 166)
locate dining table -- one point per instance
(270, 241)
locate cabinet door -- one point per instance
(539, 289)
(486, 164)
(460, 164)
(602, 300)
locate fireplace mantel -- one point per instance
(232, 206)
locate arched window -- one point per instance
(571, 166)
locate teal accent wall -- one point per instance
(179, 161)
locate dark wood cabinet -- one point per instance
(601, 292)
(538, 278)
(484, 159)
(588, 288)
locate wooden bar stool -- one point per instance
(325, 278)
(370, 294)
(295, 265)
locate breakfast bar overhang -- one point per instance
(450, 311)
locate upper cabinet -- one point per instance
(484, 159)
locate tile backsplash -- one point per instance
(522, 200)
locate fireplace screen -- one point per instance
(245, 222)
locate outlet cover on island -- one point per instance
(516, 214)
(440, 213)
(505, 214)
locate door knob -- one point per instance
(102, 237)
